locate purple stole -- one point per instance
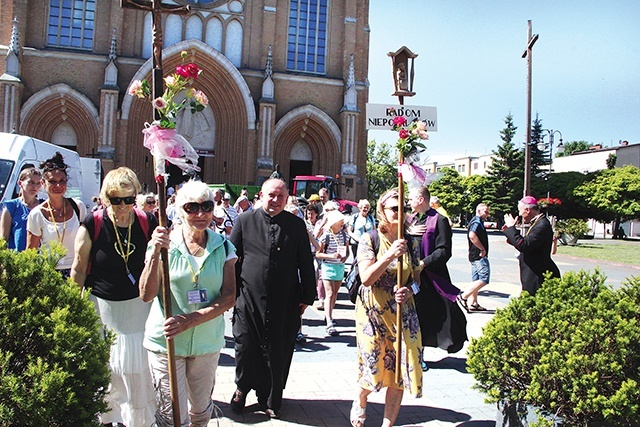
(443, 286)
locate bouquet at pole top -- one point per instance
(161, 137)
(409, 144)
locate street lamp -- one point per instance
(542, 145)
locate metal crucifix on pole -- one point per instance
(156, 7)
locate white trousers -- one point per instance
(196, 377)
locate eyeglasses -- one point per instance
(194, 207)
(54, 182)
(128, 200)
(151, 201)
(392, 208)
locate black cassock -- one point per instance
(535, 253)
(274, 276)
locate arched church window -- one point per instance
(172, 30)
(193, 29)
(233, 43)
(214, 34)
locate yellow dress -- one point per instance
(376, 330)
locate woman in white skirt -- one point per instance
(109, 256)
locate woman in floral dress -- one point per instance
(376, 309)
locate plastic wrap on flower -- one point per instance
(413, 175)
(169, 145)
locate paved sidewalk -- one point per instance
(322, 381)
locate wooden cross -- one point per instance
(157, 8)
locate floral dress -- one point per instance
(376, 331)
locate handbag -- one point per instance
(353, 282)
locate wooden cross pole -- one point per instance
(157, 8)
(399, 328)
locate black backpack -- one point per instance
(353, 281)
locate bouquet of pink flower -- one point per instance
(410, 135)
(161, 137)
(410, 145)
(168, 109)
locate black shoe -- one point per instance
(272, 413)
(238, 401)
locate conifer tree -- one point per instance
(506, 172)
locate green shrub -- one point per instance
(53, 355)
(572, 350)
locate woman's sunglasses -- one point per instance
(194, 207)
(129, 200)
(392, 208)
(151, 201)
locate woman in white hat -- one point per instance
(334, 250)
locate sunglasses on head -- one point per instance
(193, 207)
(129, 200)
(50, 166)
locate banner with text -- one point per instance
(380, 116)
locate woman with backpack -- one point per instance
(57, 219)
(110, 253)
(333, 252)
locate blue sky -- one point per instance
(586, 68)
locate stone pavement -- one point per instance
(322, 382)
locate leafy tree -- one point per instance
(611, 161)
(474, 193)
(382, 171)
(561, 186)
(573, 147)
(449, 188)
(615, 193)
(506, 172)
(53, 355)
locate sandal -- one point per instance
(477, 307)
(357, 414)
(463, 302)
(332, 331)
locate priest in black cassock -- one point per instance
(275, 283)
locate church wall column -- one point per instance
(108, 122)
(11, 94)
(265, 138)
(349, 168)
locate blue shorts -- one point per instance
(331, 271)
(480, 270)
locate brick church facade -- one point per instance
(286, 80)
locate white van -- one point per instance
(19, 151)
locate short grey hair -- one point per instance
(192, 191)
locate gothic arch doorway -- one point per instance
(301, 160)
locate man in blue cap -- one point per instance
(534, 246)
